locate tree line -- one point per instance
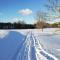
(15, 26)
(37, 25)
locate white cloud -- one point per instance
(53, 21)
(25, 11)
(12, 20)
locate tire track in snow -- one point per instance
(20, 50)
(26, 49)
(40, 50)
(32, 50)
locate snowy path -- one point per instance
(31, 44)
(32, 50)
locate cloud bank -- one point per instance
(25, 11)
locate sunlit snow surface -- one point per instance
(31, 44)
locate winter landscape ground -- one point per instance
(30, 44)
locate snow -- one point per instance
(3, 33)
(30, 44)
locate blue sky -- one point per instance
(14, 10)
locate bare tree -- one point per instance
(41, 19)
(54, 7)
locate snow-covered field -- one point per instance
(30, 44)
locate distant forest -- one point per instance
(21, 25)
(16, 26)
